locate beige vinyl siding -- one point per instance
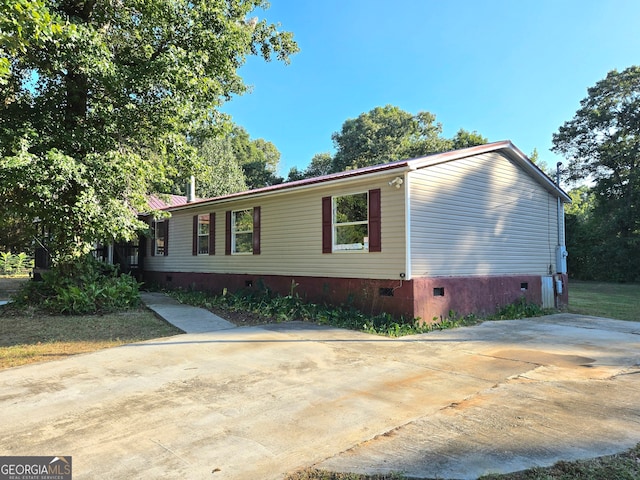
(481, 215)
(291, 236)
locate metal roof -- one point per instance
(505, 147)
(161, 202)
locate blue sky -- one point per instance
(509, 69)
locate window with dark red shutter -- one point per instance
(327, 246)
(352, 222)
(256, 230)
(194, 243)
(160, 237)
(212, 234)
(227, 233)
(166, 237)
(375, 223)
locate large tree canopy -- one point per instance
(321, 164)
(602, 145)
(383, 135)
(258, 158)
(99, 99)
(220, 173)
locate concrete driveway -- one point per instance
(254, 403)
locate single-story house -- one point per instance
(468, 230)
(129, 256)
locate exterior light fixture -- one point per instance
(396, 182)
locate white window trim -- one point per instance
(234, 232)
(345, 248)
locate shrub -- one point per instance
(518, 309)
(291, 307)
(84, 286)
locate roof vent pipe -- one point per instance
(191, 189)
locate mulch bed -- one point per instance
(242, 319)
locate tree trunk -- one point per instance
(76, 82)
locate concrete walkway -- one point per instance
(257, 402)
(187, 318)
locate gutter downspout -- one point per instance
(560, 209)
(407, 223)
(561, 250)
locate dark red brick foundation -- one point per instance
(427, 298)
(479, 295)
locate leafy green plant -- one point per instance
(279, 308)
(518, 309)
(291, 307)
(15, 264)
(20, 262)
(5, 262)
(84, 286)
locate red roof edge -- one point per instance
(155, 202)
(413, 163)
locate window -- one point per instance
(242, 231)
(352, 222)
(160, 231)
(203, 234)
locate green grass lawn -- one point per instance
(610, 300)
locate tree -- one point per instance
(582, 233)
(99, 99)
(602, 145)
(15, 235)
(23, 23)
(542, 165)
(221, 173)
(321, 164)
(258, 159)
(385, 134)
(465, 139)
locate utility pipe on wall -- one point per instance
(561, 249)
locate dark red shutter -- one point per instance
(375, 224)
(194, 246)
(166, 237)
(256, 230)
(143, 249)
(153, 225)
(327, 246)
(212, 234)
(227, 233)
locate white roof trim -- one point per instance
(506, 147)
